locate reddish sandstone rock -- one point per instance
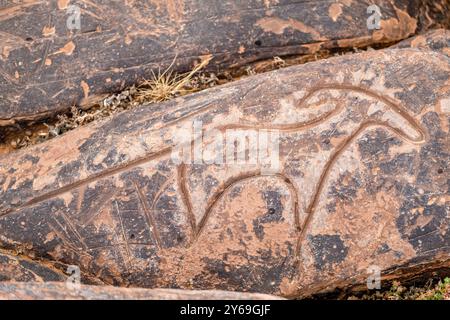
(436, 40)
(46, 68)
(362, 180)
(60, 291)
(434, 14)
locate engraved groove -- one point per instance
(185, 196)
(125, 238)
(148, 216)
(325, 173)
(197, 229)
(242, 178)
(103, 174)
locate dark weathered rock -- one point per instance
(60, 291)
(363, 180)
(436, 40)
(434, 14)
(23, 269)
(20, 268)
(44, 67)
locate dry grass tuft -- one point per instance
(161, 87)
(167, 85)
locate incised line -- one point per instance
(148, 216)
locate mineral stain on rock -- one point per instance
(273, 215)
(46, 68)
(128, 215)
(327, 250)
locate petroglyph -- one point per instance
(60, 64)
(352, 152)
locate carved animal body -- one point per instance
(46, 66)
(363, 152)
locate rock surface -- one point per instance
(60, 291)
(361, 180)
(436, 40)
(47, 68)
(20, 269)
(434, 14)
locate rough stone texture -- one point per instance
(363, 180)
(436, 40)
(44, 67)
(13, 268)
(60, 291)
(20, 268)
(434, 14)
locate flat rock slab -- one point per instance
(436, 40)
(23, 269)
(360, 179)
(47, 68)
(15, 267)
(62, 291)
